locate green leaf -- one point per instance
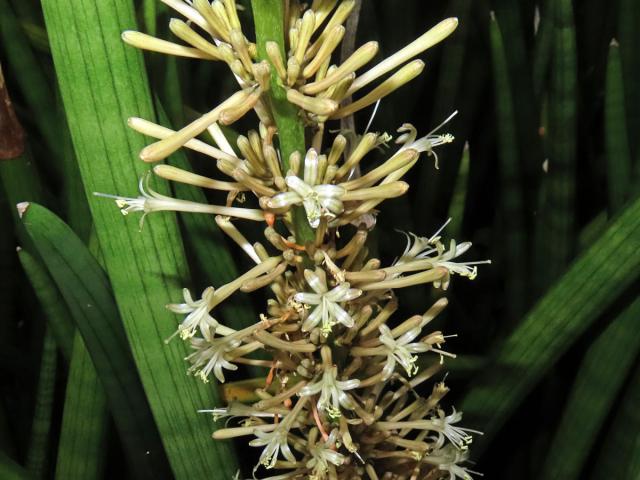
(37, 456)
(591, 284)
(629, 38)
(592, 231)
(542, 50)
(102, 83)
(150, 15)
(87, 292)
(555, 236)
(82, 449)
(21, 183)
(52, 303)
(598, 381)
(459, 198)
(10, 470)
(511, 204)
(618, 153)
(618, 456)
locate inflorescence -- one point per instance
(340, 400)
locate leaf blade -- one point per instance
(102, 81)
(592, 283)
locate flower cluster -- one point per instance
(340, 396)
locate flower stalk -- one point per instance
(268, 17)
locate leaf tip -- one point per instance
(22, 208)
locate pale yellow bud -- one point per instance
(216, 25)
(232, 13)
(239, 44)
(235, 112)
(390, 190)
(307, 27)
(167, 146)
(189, 12)
(366, 144)
(153, 44)
(293, 71)
(184, 32)
(172, 173)
(433, 36)
(273, 52)
(358, 59)
(156, 131)
(319, 106)
(395, 163)
(339, 17)
(339, 144)
(398, 79)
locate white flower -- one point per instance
(151, 201)
(274, 443)
(318, 200)
(444, 260)
(460, 437)
(448, 459)
(400, 350)
(210, 356)
(333, 394)
(422, 247)
(426, 143)
(327, 302)
(433, 250)
(197, 314)
(323, 454)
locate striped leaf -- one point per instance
(52, 303)
(102, 83)
(513, 251)
(38, 454)
(603, 370)
(618, 153)
(556, 236)
(593, 283)
(87, 292)
(618, 456)
(81, 451)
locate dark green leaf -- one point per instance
(592, 284)
(598, 381)
(87, 292)
(82, 449)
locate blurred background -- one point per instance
(543, 178)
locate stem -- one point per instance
(269, 24)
